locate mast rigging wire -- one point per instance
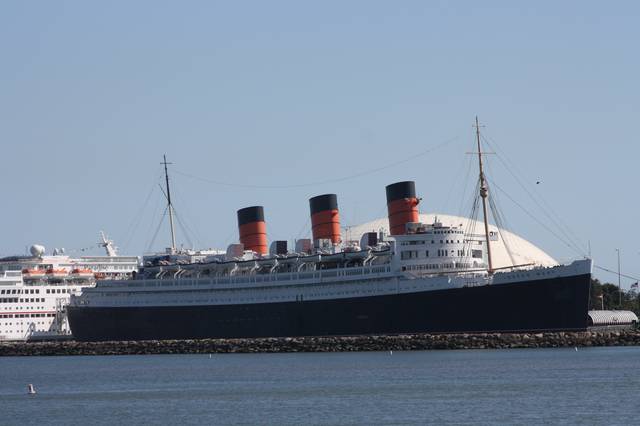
(155, 234)
(547, 211)
(500, 225)
(498, 217)
(308, 184)
(616, 273)
(137, 219)
(183, 228)
(551, 231)
(463, 202)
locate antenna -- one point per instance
(107, 244)
(169, 205)
(484, 193)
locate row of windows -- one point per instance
(421, 242)
(26, 291)
(432, 266)
(414, 254)
(188, 281)
(236, 291)
(16, 300)
(27, 315)
(36, 291)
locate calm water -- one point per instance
(591, 386)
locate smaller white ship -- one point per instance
(35, 290)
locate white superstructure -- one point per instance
(35, 290)
(507, 247)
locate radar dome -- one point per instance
(37, 250)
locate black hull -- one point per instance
(543, 305)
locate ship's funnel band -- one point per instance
(325, 218)
(402, 206)
(252, 233)
(402, 212)
(253, 229)
(326, 225)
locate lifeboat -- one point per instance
(57, 273)
(100, 275)
(33, 273)
(82, 273)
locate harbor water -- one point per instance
(521, 386)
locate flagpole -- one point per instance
(619, 286)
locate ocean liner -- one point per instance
(418, 277)
(35, 289)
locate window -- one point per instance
(408, 254)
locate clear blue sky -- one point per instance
(279, 93)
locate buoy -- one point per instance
(30, 389)
(576, 348)
(390, 352)
(209, 356)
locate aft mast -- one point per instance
(484, 193)
(169, 206)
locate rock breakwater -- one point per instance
(402, 342)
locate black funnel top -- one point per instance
(399, 190)
(323, 202)
(250, 214)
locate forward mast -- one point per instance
(484, 193)
(169, 205)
